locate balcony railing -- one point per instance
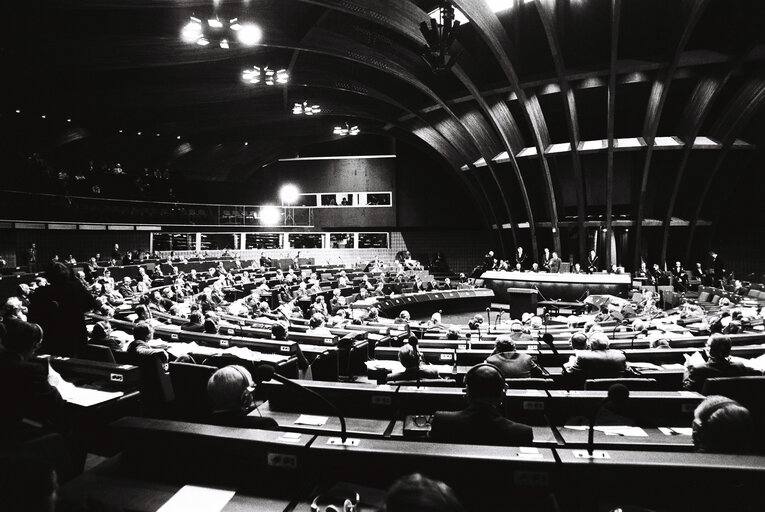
(26, 206)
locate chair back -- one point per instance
(633, 384)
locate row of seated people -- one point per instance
(230, 390)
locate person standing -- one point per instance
(32, 257)
(59, 309)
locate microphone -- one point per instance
(469, 336)
(616, 393)
(265, 373)
(547, 338)
(488, 318)
(496, 320)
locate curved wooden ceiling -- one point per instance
(536, 76)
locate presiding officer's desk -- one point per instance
(562, 286)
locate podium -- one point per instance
(521, 300)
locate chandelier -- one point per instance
(346, 130)
(265, 76)
(305, 108)
(440, 37)
(222, 32)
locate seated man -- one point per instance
(317, 326)
(102, 335)
(481, 422)
(230, 390)
(144, 344)
(721, 425)
(27, 387)
(600, 362)
(418, 493)
(195, 323)
(719, 364)
(410, 358)
(511, 363)
(403, 317)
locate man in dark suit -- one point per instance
(521, 258)
(481, 422)
(229, 391)
(600, 362)
(511, 363)
(593, 265)
(25, 389)
(554, 263)
(719, 364)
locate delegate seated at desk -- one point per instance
(599, 362)
(512, 363)
(230, 392)
(481, 422)
(720, 364)
(410, 358)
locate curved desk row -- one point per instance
(429, 302)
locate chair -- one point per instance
(633, 384)
(97, 353)
(190, 386)
(748, 391)
(530, 383)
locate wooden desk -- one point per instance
(357, 427)
(656, 440)
(544, 436)
(107, 484)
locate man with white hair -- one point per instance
(600, 361)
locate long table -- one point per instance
(566, 287)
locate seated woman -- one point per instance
(410, 358)
(230, 390)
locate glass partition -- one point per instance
(341, 240)
(263, 241)
(373, 240)
(306, 240)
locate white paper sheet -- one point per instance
(676, 431)
(198, 499)
(308, 419)
(86, 397)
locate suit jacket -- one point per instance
(695, 376)
(515, 365)
(25, 393)
(479, 424)
(554, 265)
(599, 364)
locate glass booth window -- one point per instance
(263, 241)
(306, 200)
(220, 241)
(378, 199)
(341, 240)
(306, 240)
(373, 240)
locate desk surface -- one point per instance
(356, 426)
(544, 277)
(106, 485)
(620, 438)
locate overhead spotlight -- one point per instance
(265, 75)
(234, 24)
(270, 215)
(224, 44)
(202, 41)
(178, 137)
(214, 23)
(43, 116)
(139, 133)
(246, 143)
(68, 120)
(249, 34)
(440, 37)
(289, 194)
(192, 31)
(18, 111)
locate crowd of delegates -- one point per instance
(48, 317)
(714, 274)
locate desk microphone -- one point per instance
(264, 373)
(616, 393)
(488, 318)
(547, 338)
(496, 320)
(468, 337)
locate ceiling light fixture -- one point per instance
(220, 32)
(440, 37)
(265, 76)
(345, 130)
(305, 108)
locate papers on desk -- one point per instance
(308, 419)
(616, 430)
(758, 363)
(86, 397)
(644, 366)
(694, 359)
(676, 431)
(199, 499)
(673, 367)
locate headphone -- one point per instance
(498, 376)
(700, 422)
(246, 400)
